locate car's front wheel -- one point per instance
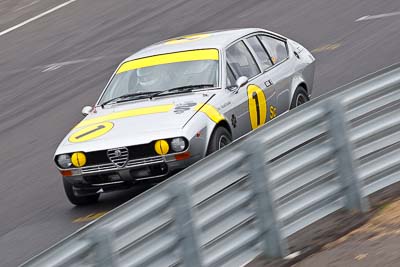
(219, 138)
(81, 199)
(300, 97)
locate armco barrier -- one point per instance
(248, 198)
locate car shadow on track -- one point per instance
(107, 202)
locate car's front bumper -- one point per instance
(109, 177)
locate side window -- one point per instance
(241, 61)
(230, 78)
(276, 48)
(260, 52)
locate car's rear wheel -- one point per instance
(81, 199)
(219, 138)
(300, 97)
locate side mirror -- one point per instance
(242, 80)
(86, 110)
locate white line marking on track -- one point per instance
(52, 67)
(58, 65)
(28, 5)
(36, 17)
(370, 17)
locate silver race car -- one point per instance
(174, 102)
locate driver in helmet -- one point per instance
(149, 79)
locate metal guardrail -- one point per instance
(248, 198)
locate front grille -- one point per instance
(97, 157)
(118, 156)
(146, 161)
(141, 173)
(142, 151)
(130, 164)
(99, 168)
(135, 152)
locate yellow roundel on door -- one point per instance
(91, 132)
(257, 106)
(78, 159)
(161, 147)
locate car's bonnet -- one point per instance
(132, 123)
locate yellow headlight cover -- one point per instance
(78, 159)
(161, 147)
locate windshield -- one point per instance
(164, 72)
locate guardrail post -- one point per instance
(102, 239)
(188, 235)
(338, 128)
(274, 246)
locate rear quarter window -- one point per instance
(260, 52)
(276, 48)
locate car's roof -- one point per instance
(206, 40)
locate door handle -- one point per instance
(268, 83)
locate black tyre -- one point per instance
(300, 97)
(79, 200)
(219, 138)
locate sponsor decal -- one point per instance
(181, 108)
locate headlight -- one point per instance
(178, 144)
(64, 161)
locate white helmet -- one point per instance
(147, 76)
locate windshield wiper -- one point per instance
(135, 96)
(183, 89)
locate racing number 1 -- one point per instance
(255, 98)
(257, 106)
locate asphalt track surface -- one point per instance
(41, 99)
